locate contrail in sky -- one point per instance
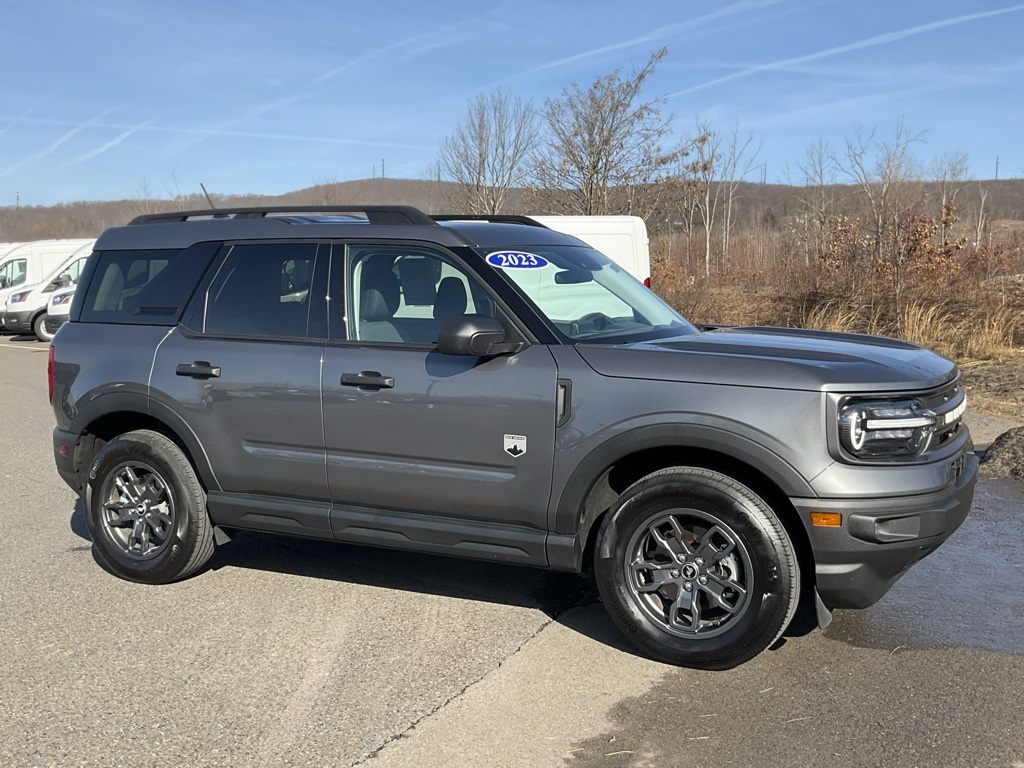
(53, 147)
(871, 42)
(660, 34)
(110, 144)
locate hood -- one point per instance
(776, 358)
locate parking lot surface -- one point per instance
(289, 652)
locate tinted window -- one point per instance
(263, 290)
(140, 287)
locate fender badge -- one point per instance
(515, 445)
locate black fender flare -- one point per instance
(139, 402)
(569, 508)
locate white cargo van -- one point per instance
(28, 263)
(623, 239)
(24, 310)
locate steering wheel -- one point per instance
(599, 320)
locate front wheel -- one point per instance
(146, 510)
(39, 328)
(696, 569)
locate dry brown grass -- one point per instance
(970, 320)
(980, 330)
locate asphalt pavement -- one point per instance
(303, 653)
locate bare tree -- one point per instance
(950, 171)
(143, 202)
(816, 194)
(486, 153)
(707, 145)
(981, 222)
(737, 162)
(604, 153)
(886, 173)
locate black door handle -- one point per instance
(200, 369)
(370, 381)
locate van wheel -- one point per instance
(696, 569)
(146, 510)
(39, 328)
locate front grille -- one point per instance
(939, 397)
(944, 400)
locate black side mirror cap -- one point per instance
(479, 335)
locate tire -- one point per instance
(146, 510)
(696, 569)
(39, 328)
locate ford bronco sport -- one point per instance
(491, 388)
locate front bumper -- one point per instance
(17, 322)
(879, 539)
(53, 322)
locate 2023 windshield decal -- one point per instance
(516, 260)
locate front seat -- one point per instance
(380, 297)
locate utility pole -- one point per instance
(382, 167)
(997, 167)
(17, 198)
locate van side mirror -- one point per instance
(3, 283)
(475, 335)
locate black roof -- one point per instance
(180, 229)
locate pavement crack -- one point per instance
(404, 734)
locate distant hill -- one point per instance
(770, 204)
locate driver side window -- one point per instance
(13, 273)
(404, 294)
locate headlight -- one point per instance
(63, 299)
(885, 428)
(16, 297)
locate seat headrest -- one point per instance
(451, 298)
(373, 307)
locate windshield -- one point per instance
(585, 296)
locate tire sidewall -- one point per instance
(171, 561)
(39, 328)
(746, 516)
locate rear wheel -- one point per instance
(147, 510)
(696, 569)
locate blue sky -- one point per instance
(267, 97)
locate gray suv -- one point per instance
(491, 388)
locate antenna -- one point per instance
(207, 195)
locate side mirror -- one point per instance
(3, 283)
(475, 335)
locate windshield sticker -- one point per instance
(516, 260)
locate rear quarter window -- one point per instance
(145, 287)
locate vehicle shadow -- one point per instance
(22, 337)
(554, 593)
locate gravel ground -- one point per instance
(996, 387)
(1005, 457)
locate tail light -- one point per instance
(49, 374)
(647, 282)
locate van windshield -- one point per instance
(585, 296)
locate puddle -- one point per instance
(969, 592)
